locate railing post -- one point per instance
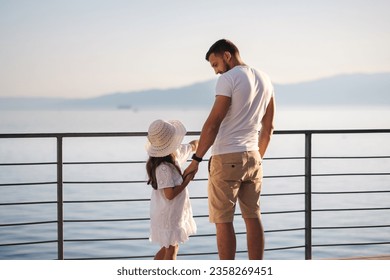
(60, 200)
(308, 209)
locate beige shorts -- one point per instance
(231, 177)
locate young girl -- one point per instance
(171, 220)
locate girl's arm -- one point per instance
(171, 193)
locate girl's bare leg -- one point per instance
(171, 252)
(160, 254)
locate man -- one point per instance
(244, 103)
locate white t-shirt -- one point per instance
(171, 221)
(250, 91)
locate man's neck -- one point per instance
(236, 61)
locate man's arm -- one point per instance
(267, 128)
(211, 126)
(210, 130)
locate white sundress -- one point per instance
(171, 221)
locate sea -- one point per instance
(126, 221)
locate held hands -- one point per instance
(188, 178)
(191, 170)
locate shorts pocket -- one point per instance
(227, 167)
(232, 171)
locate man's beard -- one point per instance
(227, 66)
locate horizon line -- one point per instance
(192, 84)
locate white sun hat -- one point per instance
(164, 137)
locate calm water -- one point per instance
(125, 149)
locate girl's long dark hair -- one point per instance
(152, 164)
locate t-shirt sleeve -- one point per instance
(224, 86)
(164, 177)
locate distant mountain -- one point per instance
(343, 90)
(196, 95)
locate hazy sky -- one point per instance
(85, 48)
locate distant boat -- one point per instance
(124, 107)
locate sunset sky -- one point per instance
(86, 48)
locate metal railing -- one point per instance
(308, 192)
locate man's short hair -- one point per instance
(222, 46)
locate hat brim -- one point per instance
(177, 139)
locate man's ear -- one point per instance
(227, 56)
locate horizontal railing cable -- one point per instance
(27, 163)
(348, 192)
(184, 254)
(352, 244)
(351, 209)
(352, 157)
(351, 174)
(27, 203)
(27, 184)
(28, 223)
(350, 227)
(147, 218)
(28, 243)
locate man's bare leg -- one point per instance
(255, 238)
(226, 241)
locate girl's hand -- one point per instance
(194, 144)
(188, 178)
